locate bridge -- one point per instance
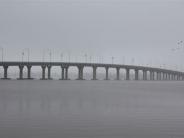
(155, 73)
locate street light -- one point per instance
(112, 60)
(2, 53)
(22, 56)
(28, 53)
(43, 55)
(90, 58)
(61, 55)
(85, 56)
(50, 54)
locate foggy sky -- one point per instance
(134, 30)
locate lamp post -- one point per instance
(22, 56)
(61, 55)
(43, 55)
(50, 55)
(112, 60)
(2, 53)
(69, 57)
(90, 58)
(28, 54)
(85, 56)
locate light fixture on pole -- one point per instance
(50, 55)
(112, 60)
(61, 55)
(2, 53)
(22, 56)
(90, 58)
(85, 56)
(28, 54)
(43, 55)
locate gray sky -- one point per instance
(145, 30)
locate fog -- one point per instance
(133, 32)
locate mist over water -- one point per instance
(91, 109)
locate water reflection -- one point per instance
(90, 109)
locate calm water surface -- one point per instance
(91, 109)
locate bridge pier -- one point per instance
(157, 78)
(136, 74)
(5, 72)
(144, 74)
(21, 72)
(173, 77)
(80, 74)
(152, 75)
(49, 72)
(127, 74)
(62, 73)
(117, 73)
(66, 73)
(178, 77)
(170, 75)
(164, 76)
(107, 73)
(94, 72)
(29, 72)
(43, 72)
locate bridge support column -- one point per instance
(174, 76)
(167, 76)
(94, 73)
(5, 72)
(80, 74)
(164, 76)
(62, 73)
(127, 74)
(151, 75)
(182, 77)
(178, 77)
(43, 72)
(49, 72)
(107, 73)
(157, 75)
(66, 73)
(171, 77)
(136, 74)
(144, 75)
(21, 72)
(29, 72)
(117, 73)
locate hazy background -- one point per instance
(132, 31)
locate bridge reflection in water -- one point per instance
(155, 73)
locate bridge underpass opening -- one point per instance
(13, 72)
(100, 73)
(36, 72)
(1, 72)
(56, 72)
(148, 75)
(88, 73)
(122, 74)
(132, 74)
(112, 74)
(73, 72)
(140, 76)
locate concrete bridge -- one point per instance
(155, 73)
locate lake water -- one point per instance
(91, 109)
